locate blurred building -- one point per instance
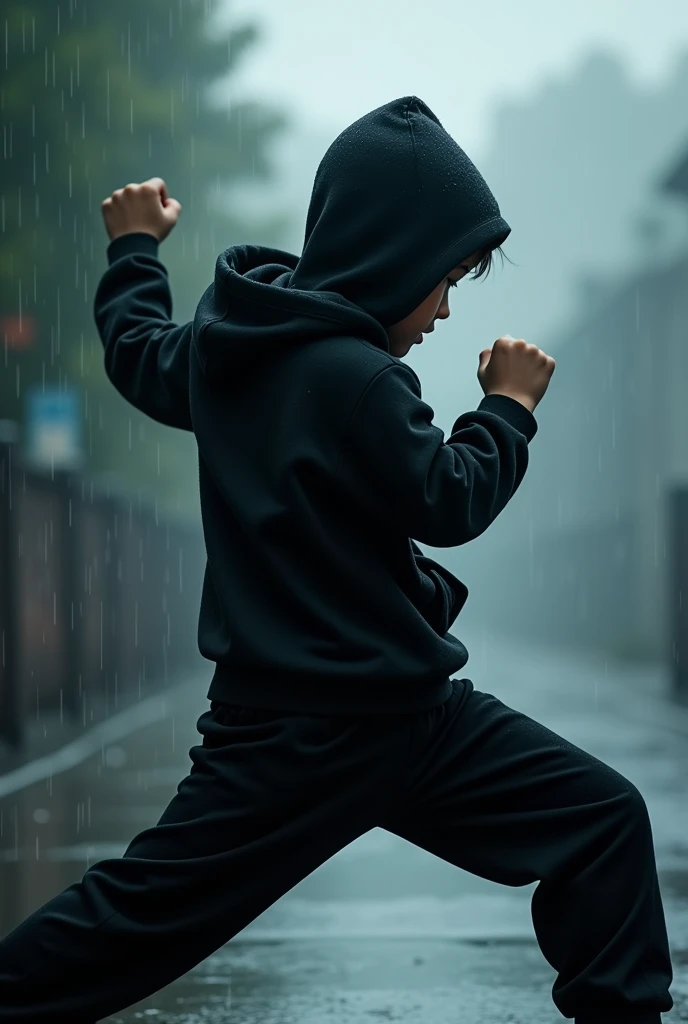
(589, 559)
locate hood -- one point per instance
(396, 204)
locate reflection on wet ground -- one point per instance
(382, 931)
(362, 980)
(417, 981)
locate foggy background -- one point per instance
(577, 117)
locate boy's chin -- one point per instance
(402, 348)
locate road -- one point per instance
(383, 931)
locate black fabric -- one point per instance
(318, 458)
(271, 796)
(396, 205)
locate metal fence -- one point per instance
(99, 597)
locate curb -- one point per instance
(116, 727)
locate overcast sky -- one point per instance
(332, 62)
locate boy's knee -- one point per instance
(635, 803)
(622, 791)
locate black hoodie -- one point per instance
(318, 458)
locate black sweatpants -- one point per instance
(271, 795)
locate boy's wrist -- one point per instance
(525, 400)
(131, 243)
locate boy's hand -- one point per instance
(145, 207)
(515, 369)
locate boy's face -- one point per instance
(409, 331)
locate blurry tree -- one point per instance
(95, 95)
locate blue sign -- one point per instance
(53, 428)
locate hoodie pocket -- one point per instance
(440, 604)
(240, 714)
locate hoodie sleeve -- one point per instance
(403, 472)
(146, 355)
(450, 592)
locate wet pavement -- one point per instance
(383, 931)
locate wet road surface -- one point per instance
(383, 931)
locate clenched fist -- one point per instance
(515, 369)
(145, 207)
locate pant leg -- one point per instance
(270, 797)
(499, 795)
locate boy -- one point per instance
(333, 704)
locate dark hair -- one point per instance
(486, 262)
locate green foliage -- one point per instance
(95, 95)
